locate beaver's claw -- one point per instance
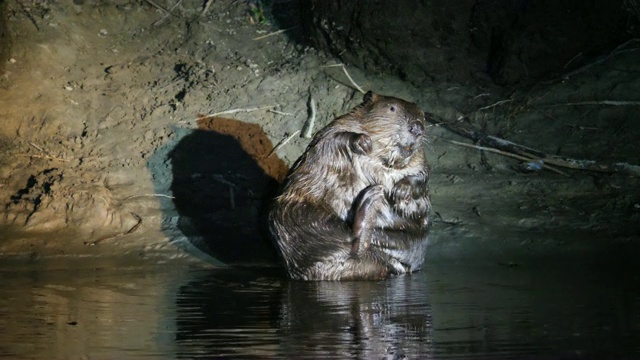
(361, 144)
(408, 188)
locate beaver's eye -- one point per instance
(392, 108)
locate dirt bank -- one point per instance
(106, 146)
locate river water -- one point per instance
(554, 308)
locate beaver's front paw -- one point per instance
(408, 188)
(361, 144)
(364, 218)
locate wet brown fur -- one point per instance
(355, 205)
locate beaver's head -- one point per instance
(396, 128)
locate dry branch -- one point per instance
(483, 139)
(504, 153)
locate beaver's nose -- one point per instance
(416, 128)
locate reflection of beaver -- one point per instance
(355, 205)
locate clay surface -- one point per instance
(106, 146)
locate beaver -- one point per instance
(356, 204)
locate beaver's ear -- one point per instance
(369, 97)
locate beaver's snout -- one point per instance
(416, 128)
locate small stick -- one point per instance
(159, 7)
(280, 113)
(234, 111)
(273, 33)
(167, 15)
(206, 7)
(495, 104)
(572, 59)
(45, 154)
(600, 102)
(227, 112)
(45, 157)
(143, 195)
(308, 126)
(283, 142)
(504, 153)
(344, 68)
(37, 147)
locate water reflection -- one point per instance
(265, 317)
(560, 309)
(357, 320)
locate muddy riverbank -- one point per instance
(106, 147)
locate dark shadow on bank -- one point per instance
(223, 180)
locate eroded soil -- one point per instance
(107, 147)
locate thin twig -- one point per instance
(280, 113)
(282, 143)
(273, 33)
(234, 111)
(45, 157)
(344, 69)
(162, 8)
(227, 112)
(206, 7)
(148, 195)
(495, 104)
(504, 153)
(37, 147)
(572, 59)
(168, 14)
(598, 102)
(46, 154)
(308, 126)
